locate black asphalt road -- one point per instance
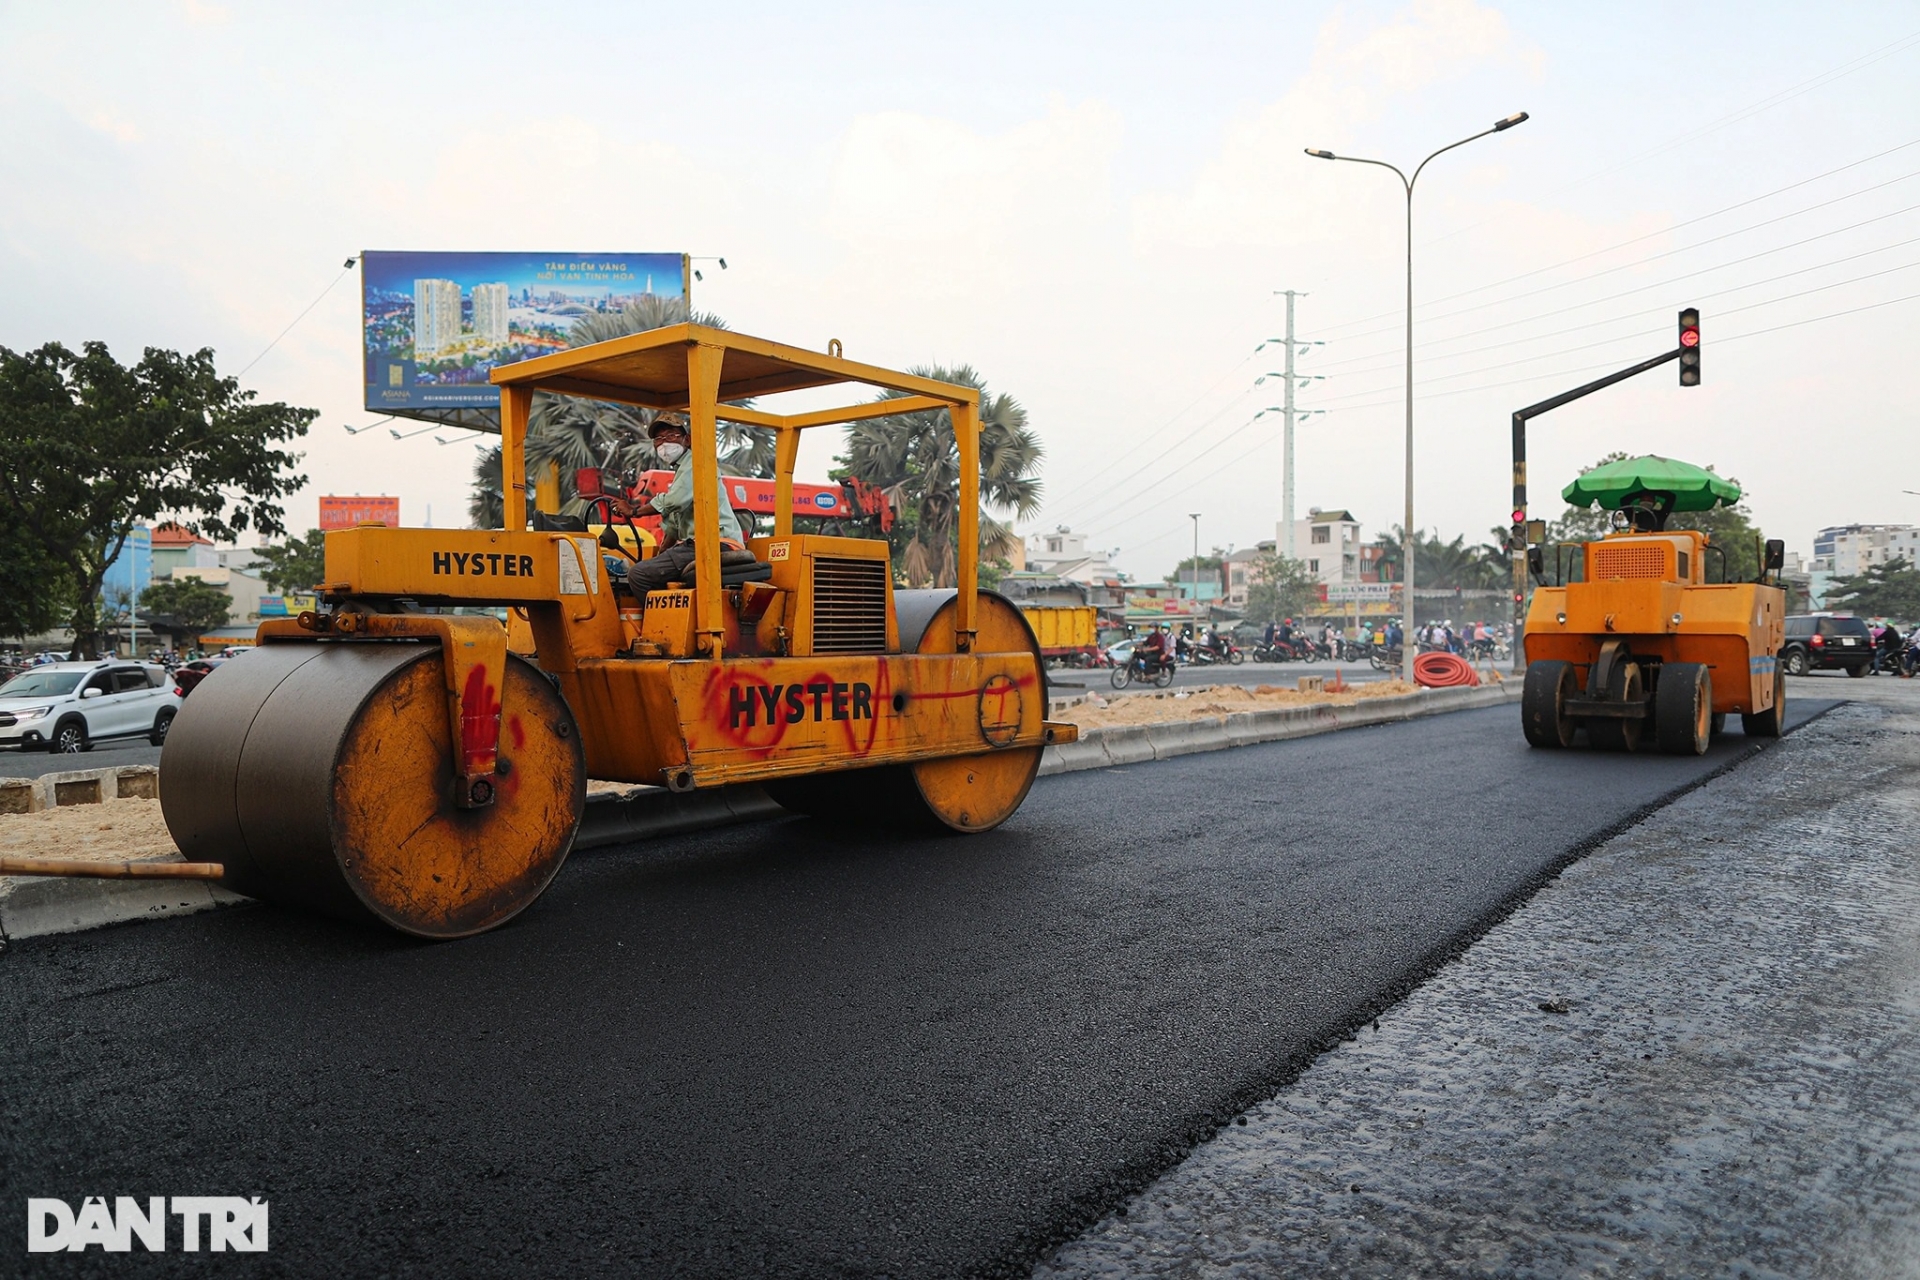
(785, 1049)
(15, 763)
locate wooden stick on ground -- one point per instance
(17, 866)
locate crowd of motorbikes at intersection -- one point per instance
(1151, 655)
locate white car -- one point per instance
(68, 706)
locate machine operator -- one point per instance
(674, 561)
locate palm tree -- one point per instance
(914, 459)
(487, 507)
(573, 433)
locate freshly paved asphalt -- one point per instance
(787, 1049)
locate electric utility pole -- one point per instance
(1286, 480)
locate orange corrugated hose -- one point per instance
(1443, 671)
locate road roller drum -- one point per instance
(322, 776)
(968, 793)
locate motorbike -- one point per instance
(1298, 649)
(1137, 668)
(1386, 659)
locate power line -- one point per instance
(1719, 293)
(1662, 284)
(1181, 412)
(1665, 231)
(1641, 262)
(1607, 342)
(1566, 373)
(1885, 51)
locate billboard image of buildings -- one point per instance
(345, 512)
(434, 325)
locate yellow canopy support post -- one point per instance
(966, 433)
(786, 458)
(703, 386)
(516, 404)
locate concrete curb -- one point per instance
(31, 908)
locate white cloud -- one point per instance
(1256, 190)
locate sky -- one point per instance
(1092, 204)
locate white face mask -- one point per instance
(670, 453)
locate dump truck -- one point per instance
(1634, 638)
(1069, 635)
(385, 757)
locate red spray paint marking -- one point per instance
(479, 724)
(763, 739)
(516, 731)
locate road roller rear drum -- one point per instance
(967, 793)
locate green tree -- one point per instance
(573, 433)
(914, 459)
(1441, 565)
(185, 607)
(1890, 590)
(1729, 528)
(35, 592)
(298, 564)
(90, 447)
(1278, 587)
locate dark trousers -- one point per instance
(674, 564)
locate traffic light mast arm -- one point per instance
(1689, 319)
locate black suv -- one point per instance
(1820, 642)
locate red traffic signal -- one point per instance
(1690, 347)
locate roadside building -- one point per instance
(1064, 554)
(1328, 543)
(177, 548)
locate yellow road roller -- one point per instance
(1650, 643)
(387, 757)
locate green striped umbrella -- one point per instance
(1617, 483)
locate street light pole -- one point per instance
(1407, 535)
(1195, 517)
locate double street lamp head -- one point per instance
(1499, 126)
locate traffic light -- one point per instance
(1690, 347)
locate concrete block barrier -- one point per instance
(79, 786)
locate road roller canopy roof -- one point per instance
(651, 370)
(1616, 484)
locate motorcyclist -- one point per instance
(1887, 648)
(1153, 649)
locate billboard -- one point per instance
(344, 513)
(433, 325)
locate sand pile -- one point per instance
(1102, 710)
(116, 831)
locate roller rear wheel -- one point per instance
(968, 793)
(1543, 703)
(321, 775)
(1683, 709)
(1771, 722)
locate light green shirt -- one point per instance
(676, 506)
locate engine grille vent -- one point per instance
(1642, 561)
(849, 605)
